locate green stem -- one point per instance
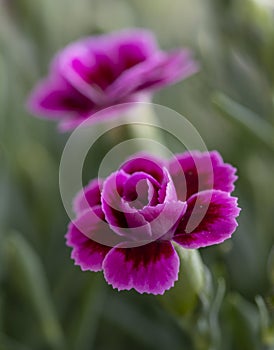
(143, 124)
(182, 299)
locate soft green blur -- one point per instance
(48, 303)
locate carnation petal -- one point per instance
(152, 268)
(141, 186)
(89, 196)
(55, 97)
(195, 171)
(122, 218)
(210, 219)
(134, 47)
(167, 192)
(98, 72)
(86, 252)
(163, 218)
(145, 163)
(93, 64)
(159, 70)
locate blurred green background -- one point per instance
(48, 303)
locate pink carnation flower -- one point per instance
(125, 224)
(106, 70)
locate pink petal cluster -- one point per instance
(126, 223)
(103, 71)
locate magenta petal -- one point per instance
(195, 171)
(144, 163)
(93, 225)
(89, 196)
(101, 72)
(122, 218)
(152, 268)
(133, 47)
(159, 70)
(88, 69)
(212, 215)
(87, 253)
(224, 173)
(163, 218)
(167, 192)
(173, 67)
(93, 64)
(95, 73)
(142, 186)
(55, 97)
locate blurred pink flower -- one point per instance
(106, 70)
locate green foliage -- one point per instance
(45, 301)
(183, 299)
(24, 263)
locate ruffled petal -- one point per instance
(141, 187)
(164, 218)
(122, 218)
(89, 253)
(152, 268)
(195, 171)
(167, 191)
(55, 98)
(159, 70)
(144, 163)
(88, 197)
(98, 72)
(93, 64)
(134, 47)
(173, 67)
(87, 68)
(210, 219)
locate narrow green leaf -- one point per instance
(270, 266)
(263, 311)
(242, 324)
(30, 278)
(86, 323)
(266, 328)
(3, 94)
(245, 118)
(206, 331)
(215, 328)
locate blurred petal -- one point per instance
(134, 47)
(93, 64)
(97, 72)
(159, 70)
(55, 97)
